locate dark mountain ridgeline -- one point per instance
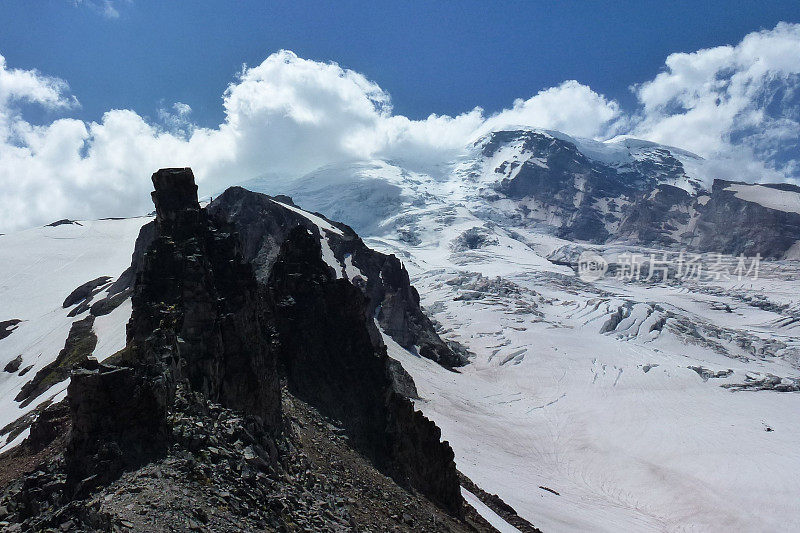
(218, 321)
(643, 196)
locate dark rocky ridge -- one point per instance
(204, 330)
(330, 349)
(213, 478)
(195, 279)
(197, 317)
(263, 224)
(334, 364)
(587, 199)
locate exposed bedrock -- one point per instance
(79, 345)
(197, 316)
(333, 363)
(263, 223)
(730, 224)
(201, 320)
(8, 326)
(118, 422)
(196, 283)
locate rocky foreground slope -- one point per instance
(188, 427)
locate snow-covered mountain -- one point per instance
(646, 405)
(623, 190)
(599, 405)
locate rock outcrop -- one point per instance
(333, 363)
(125, 281)
(263, 223)
(738, 224)
(79, 345)
(196, 285)
(8, 326)
(203, 324)
(561, 184)
(84, 291)
(660, 217)
(197, 317)
(119, 422)
(638, 193)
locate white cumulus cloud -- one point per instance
(738, 104)
(287, 116)
(571, 107)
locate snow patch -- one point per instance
(318, 221)
(779, 200)
(490, 516)
(351, 271)
(328, 255)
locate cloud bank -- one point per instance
(738, 105)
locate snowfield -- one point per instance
(645, 406)
(604, 406)
(39, 267)
(617, 423)
(788, 201)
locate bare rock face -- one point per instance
(202, 323)
(730, 224)
(197, 317)
(263, 224)
(118, 423)
(395, 304)
(48, 425)
(125, 281)
(655, 218)
(640, 193)
(563, 180)
(195, 282)
(333, 363)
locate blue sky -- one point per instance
(431, 57)
(96, 94)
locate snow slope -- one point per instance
(638, 403)
(617, 423)
(788, 201)
(38, 269)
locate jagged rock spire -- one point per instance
(175, 198)
(197, 317)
